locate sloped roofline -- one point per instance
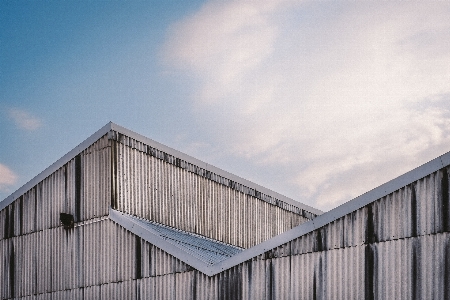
(318, 222)
(112, 126)
(296, 232)
(56, 165)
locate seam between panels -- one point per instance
(353, 246)
(78, 224)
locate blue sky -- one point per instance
(318, 100)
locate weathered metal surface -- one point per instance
(161, 188)
(411, 268)
(170, 155)
(81, 187)
(94, 252)
(394, 247)
(57, 165)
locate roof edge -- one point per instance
(112, 126)
(336, 213)
(213, 169)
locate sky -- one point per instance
(320, 101)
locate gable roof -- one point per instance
(114, 127)
(212, 256)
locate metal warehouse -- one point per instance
(124, 217)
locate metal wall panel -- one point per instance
(156, 187)
(420, 208)
(410, 268)
(397, 247)
(93, 253)
(82, 187)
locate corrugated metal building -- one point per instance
(124, 217)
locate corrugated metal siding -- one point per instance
(156, 187)
(81, 187)
(397, 247)
(93, 253)
(411, 268)
(420, 208)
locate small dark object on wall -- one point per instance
(66, 220)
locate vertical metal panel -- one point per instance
(25, 224)
(409, 268)
(39, 208)
(156, 189)
(88, 255)
(397, 247)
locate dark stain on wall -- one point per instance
(36, 205)
(370, 226)
(447, 270)
(445, 201)
(138, 258)
(416, 287)
(314, 295)
(413, 211)
(77, 188)
(21, 215)
(114, 166)
(12, 270)
(6, 227)
(65, 189)
(9, 221)
(319, 241)
(369, 272)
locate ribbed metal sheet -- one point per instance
(82, 187)
(421, 208)
(397, 247)
(412, 268)
(154, 187)
(205, 249)
(93, 253)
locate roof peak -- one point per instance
(111, 126)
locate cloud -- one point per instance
(346, 95)
(24, 119)
(7, 178)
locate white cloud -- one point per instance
(7, 177)
(341, 92)
(24, 119)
